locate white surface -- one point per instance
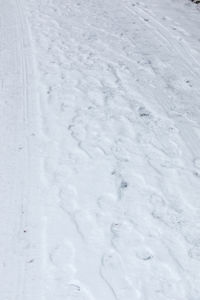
(100, 150)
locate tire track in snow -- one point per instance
(12, 56)
(30, 282)
(18, 129)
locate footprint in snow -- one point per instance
(163, 212)
(121, 229)
(197, 163)
(68, 199)
(108, 205)
(62, 256)
(87, 227)
(113, 273)
(76, 291)
(121, 235)
(144, 253)
(60, 270)
(191, 232)
(194, 253)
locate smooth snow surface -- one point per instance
(100, 150)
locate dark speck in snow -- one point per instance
(143, 112)
(144, 115)
(124, 185)
(31, 261)
(196, 174)
(148, 257)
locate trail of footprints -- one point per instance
(124, 238)
(126, 249)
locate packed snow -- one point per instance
(100, 150)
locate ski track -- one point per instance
(20, 209)
(104, 137)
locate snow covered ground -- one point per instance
(100, 150)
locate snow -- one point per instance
(100, 150)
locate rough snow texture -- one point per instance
(100, 150)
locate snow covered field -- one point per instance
(100, 150)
